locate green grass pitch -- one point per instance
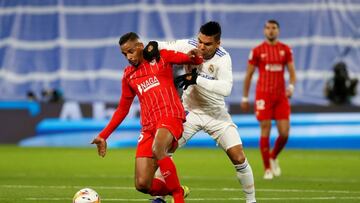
(55, 174)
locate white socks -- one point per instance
(245, 176)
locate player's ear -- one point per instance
(141, 45)
(218, 43)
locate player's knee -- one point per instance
(265, 125)
(241, 158)
(238, 158)
(236, 154)
(284, 134)
(142, 185)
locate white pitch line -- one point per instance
(204, 178)
(65, 187)
(69, 199)
(193, 189)
(204, 199)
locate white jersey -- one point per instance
(213, 83)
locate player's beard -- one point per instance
(208, 56)
(271, 38)
(136, 64)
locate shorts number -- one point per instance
(260, 104)
(140, 137)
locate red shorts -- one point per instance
(146, 138)
(272, 107)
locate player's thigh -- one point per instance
(144, 172)
(162, 143)
(191, 127)
(229, 137)
(223, 130)
(263, 107)
(169, 131)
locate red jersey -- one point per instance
(154, 85)
(271, 61)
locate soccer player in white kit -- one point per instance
(203, 99)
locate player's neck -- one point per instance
(210, 56)
(272, 42)
(141, 61)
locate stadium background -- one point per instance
(71, 46)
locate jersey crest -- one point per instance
(211, 68)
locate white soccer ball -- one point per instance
(86, 195)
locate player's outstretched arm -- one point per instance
(174, 57)
(127, 97)
(101, 145)
(245, 106)
(292, 79)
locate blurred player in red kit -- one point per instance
(149, 77)
(271, 102)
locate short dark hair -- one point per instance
(128, 37)
(272, 21)
(211, 28)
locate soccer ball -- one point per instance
(86, 195)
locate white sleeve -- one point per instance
(182, 45)
(223, 84)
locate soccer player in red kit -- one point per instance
(162, 113)
(271, 102)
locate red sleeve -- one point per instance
(174, 57)
(289, 55)
(253, 57)
(127, 97)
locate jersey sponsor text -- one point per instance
(148, 84)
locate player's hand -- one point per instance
(245, 106)
(151, 51)
(194, 53)
(101, 145)
(290, 91)
(184, 81)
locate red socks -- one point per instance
(279, 145)
(265, 150)
(168, 171)
(158, 188)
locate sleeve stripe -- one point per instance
(220, 53)
(193, 43)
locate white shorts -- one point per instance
(221, 128)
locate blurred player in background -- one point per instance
(205, 87)
(162, 114)
(271, 102)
